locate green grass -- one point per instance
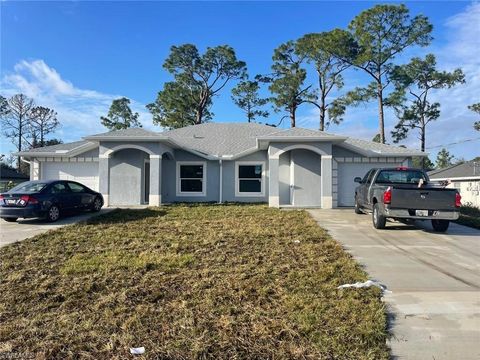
(200, 281)
(469, 216)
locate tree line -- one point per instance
(371, 43)
(27, 124)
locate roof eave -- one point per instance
(126, 138)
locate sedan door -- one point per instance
(62, 195)
(82, 197)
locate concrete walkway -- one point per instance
(434, 279)
(26, 228)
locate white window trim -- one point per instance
(237, 180)
(204, 179)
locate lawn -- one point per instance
(200, 281)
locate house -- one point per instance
(465, 177)
(10, 177)
(218, 162)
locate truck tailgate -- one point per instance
(423, 199)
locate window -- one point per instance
(76, 188)
(58, 188)
(249, 178)
(28, 187)
(191, 178)
(400, 177)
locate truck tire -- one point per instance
(440, 225)
(378, 219)
(358, 210)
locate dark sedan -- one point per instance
(47, 199)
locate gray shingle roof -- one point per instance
(232, 139)
(134, 132)
(220, 138)
(296, 132)
(59, 147)
(381, 148)
(466, 169)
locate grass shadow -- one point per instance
(122, 216)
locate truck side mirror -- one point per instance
(358, 179)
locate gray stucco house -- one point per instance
(218, 162)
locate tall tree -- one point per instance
(198, 78)
(417, 79)
(16, 118)
(287, 82)
(175, 106)
(44, 122)
(319, 49)
(476, 108)
(444, 159)
(245, 96)
(120, 116)
(380, 34)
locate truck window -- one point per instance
(370, 176)
(400, 177)
(367, 176)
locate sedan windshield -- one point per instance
(29, 187)
(400, 177)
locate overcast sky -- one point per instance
(75, 57)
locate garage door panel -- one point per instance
(349, 171)
(84, 173)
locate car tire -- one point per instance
(10, 219)
(53, 213)
(358, 210)
(97, 204)
(440, 225)
(378, 219)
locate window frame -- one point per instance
(237, 179)
(178, 179)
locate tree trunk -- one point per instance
(20, 134)
(323, 111)
(381, 119)
(199, 116)
(292, 117)
(422, 144)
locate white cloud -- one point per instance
(79, 110)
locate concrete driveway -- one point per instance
(434, 279)
(26, 228)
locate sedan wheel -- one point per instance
(53, 213)
(97, 204)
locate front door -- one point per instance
(306, 176)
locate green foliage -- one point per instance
(380, 34)
(197, 79)
(376, 138)
(475, 108)
(421, 162)
(176, 107)
(417, 79)
(319, 49)
(43, 122)
(444, 159)
(120, 116)
(245, 96)
(287, 83)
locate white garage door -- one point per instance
(345, 175)
(85, 173)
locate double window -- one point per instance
(191, 178)
(249, 178)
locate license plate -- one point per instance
(421, 212)
(11, 202)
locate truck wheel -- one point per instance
(357, 207)
(440, 225)
(379, 220)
